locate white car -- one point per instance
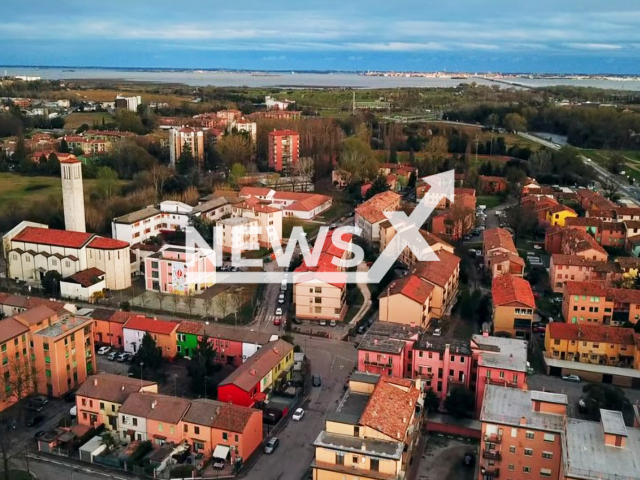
(298, 414)
(437, 332)
(103, 350)
(571, 378)
(74, 411)
(278, 311)
(538, 247)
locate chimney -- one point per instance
(375, 341)
(95, 382)
(523, 420)
(252, 372)
(154, 403)
(122, 388)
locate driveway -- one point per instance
(333, 361)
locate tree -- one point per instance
(304, 167)
(616, 164)
(186, 162)
(222, 302)
(159, 174)
(515, 122)
(606, 396)
(357, 162)
(8, 440)
(235, 148)
(237, 171)
(540, 163)
(51, 283)
(107, 182)
(202, 366)
(208, 305)
(64, 146)
(130, 122)
(379, 185)
(434, 153)
(431, 401)
(611, 188)
(460, 402)
(522, 220)
(238, 300)
(190, 300)
(150, 355)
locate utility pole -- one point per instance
(476, 164)
(354, 102)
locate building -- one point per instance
(500, 253)
(231, 346)
(222, 430)
(305, 206)
(72, 195)
(370, 214)
(99, 398)
(407, 301)
(589, 199)
(254, 380)
(14, 342)
(151, 416)
(247, 127)
(32, 250)
(444, 275)
(388, 232)
(559, 214)
(138, 226)
(269, 220)
(579, 243)
(64, 355)
(214, 208)
(497, 361)
(387, 349)
(181, 138)
(180, 270)
(84, 285)
(563, 268)
(128, 103)
(239, 234)
(492, 185)
(275, 104)
(163, 332)
(373, 433)
(513, 306)
(521, 433)
(107, 326)
(284, 150)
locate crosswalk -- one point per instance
(269, 319)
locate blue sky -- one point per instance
(471, 35)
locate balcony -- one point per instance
(491, 455)
(380, 364)
(493, 438)
(490, 472)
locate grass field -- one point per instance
(491, 201)
(76, 119)
(32, 189)
(310, 228)
(631, 158)
(109, 95)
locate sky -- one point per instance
(559, 36)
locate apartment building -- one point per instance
(180, 270)
(305, 206)
(163, 333)
(407, 300)
(99, 398)
(373, 432)
(63, 354)
(128, 103)
(387, 349)
(15, 360)
(559, 214)
(370, 214)
(580, 243)
(284, 150)
(254, 380)
(563, 268)
(592, 302)
(138, 226)
(269, 219)
(589, 199)
(490, 185)
(513, 306)
(594, 344)
(214, 208)
(500, 253)
(239, 234)
(186, 137)
(521, 433)
(444, 275)
(388, 232)
(175, 215)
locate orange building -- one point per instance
(108, 326)
(444, 275)
(99, 399)
(513, 306)
(521, 433)
(162, 332)
(500, 253)
(236, 429)
(64, 355)
(14, 360)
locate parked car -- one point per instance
(361, 328)
(112, 356)
(298, 414)
(469, 459)
(437, 332)
(316, 381)
(35, 420)
(571, 378)
(73, 411)
(332, 323)
(281, 298)
(38, 435)
(104, 349)
(70, 397)
(122, 357)
(271, 445)
(277, 321)
(323, 323)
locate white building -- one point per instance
(175, 215)
(137, 226)
(181, 270)
(293, 204)
(131, 427)
(269, 219)
(238, 233)
(215, 208)
(72, 194)
(32, 251)
(83, 284)
(128, 103)
(274, 104)
(246, 126)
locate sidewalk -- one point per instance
(366, 293)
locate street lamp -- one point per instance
(141, 373)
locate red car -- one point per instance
(277, 321)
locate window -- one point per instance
(160, 427)
(547, 455)
(528, 452)
(374, 464)
(511, 467)
(225, 436)
(549, 437)
(512, 449)
(196, 430)
(529, 435)
(526, 469)
(545, 472)
(101, 406)
(339, 458)
(355, 459)
(134, 420)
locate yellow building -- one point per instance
(513, 306)
(558, 214)
(595, 344)
(373, 432)
(407, 301)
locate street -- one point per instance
(333, 361)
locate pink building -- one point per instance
(386, 349)
(497, 361)
(179, 269)
(563, 268)
(441, 363)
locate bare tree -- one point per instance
(175, 299)
(237, 299)
(304, 168)
(222, 302)
(611, 188)
(208, 305)
(159, 175)
(8, 438)
(190, 300)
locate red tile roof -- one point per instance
(391, 407)
(488, 178)
(438, 273)
(50, 236)
(595, 289)
(103, 243)
(280, 133)
(412, 287)
(590, 333)
(577, 241)
(498, 238)
(87, 277)
(373, 209)
(624, 295)
(145, 324)
(11, 328)
(509, 289)
(582, 222)
(574, 260)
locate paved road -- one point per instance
(333, 361)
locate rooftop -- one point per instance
(64, 326)
(373, 209)
(110, 387)
(153, 406)
(412, 287)
(590, 333)
(358, 445)
(11, 328)
(215, 330)
(350, 408)
(613, 422)
(217, 414)
(508, 406)
(499, 352)
(439, 344)
(138, 215)
(438, 273)
(35, 315)
(586, 456)
(151, 325)
(498, 238)
(50, 236)
(87, 277)
(234, 221)
(510, 289)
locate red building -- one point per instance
(284, 150)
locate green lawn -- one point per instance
(336, 211)
(18, 187)
(491, 201)
(631, 157)
(76, 119)
(310, 228)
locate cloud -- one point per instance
(272, 58)
(594, 46)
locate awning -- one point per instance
(260, 397)
(221, 452)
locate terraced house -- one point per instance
(513, 306)
(593, 303)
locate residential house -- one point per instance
(589, 199)
(500, 253)
(513, 306)
(558, 215)
(407, 301)
(163, 333)
(444, 275)
(373, 432)
(107, 326)
(371, 214)
(492, 185)
(388, 232)
(305, 206)
(254, 380)
(99, 398)
(580, 243)
(563, 268)
(138, 226)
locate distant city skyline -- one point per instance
(406, 35)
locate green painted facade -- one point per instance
(187, 344)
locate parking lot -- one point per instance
(443, 459)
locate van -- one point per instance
(283, 286)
